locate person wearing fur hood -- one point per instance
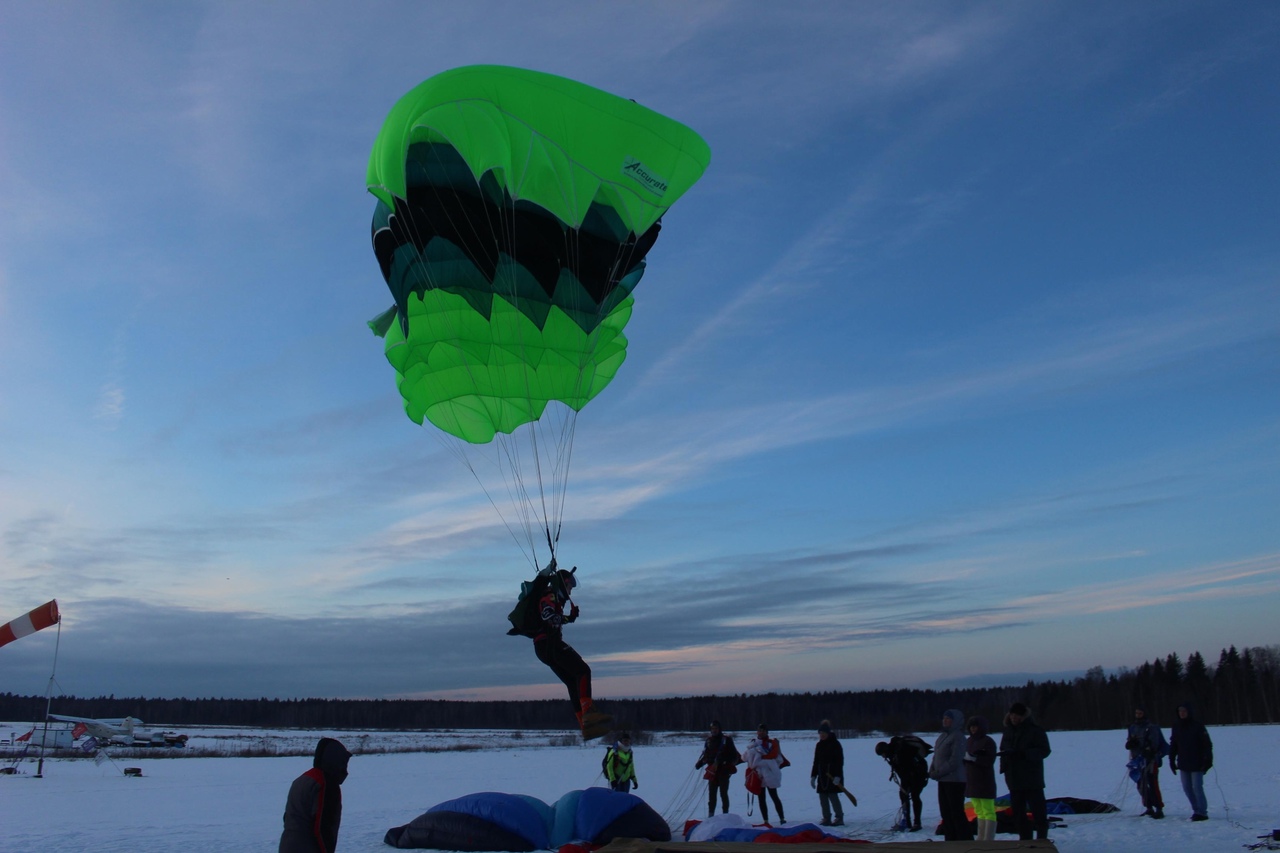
(947, 769)
(1023, 748)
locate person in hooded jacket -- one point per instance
(313, 810)
(1191, 751)
(827, 775)
(980, 776)
(1023, 748)
(1147, 749)
(720, 757)
(947, 769)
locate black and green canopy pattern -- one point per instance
(515, 210)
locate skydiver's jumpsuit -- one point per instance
(551, 649)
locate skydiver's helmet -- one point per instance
(882, 749)
(564, 582)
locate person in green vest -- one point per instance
(620, 765)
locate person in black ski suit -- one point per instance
(1147, 746)
(313, 811)
(1191, 751)
(908, 768)
(1023, 748)
(827, 775)
(720, 757)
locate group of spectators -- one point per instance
(964, 762)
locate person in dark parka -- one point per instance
(1191, 751)
(1023, 748)
(720, 757)
(980, 776)
(827, 775)
(313, 810)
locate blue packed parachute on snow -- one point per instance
(496, 821)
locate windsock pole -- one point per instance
(48, 701)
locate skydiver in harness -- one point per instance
(551, 649)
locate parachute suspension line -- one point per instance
(508, 226)
(457, 446)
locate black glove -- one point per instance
(1131, 744)
(635, 783)
(698, 766)
(1173, 765)
(573, 614)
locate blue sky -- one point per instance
(962, 358)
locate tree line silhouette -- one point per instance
(1242, 687)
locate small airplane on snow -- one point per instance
(127, 731)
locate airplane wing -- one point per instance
(98, 728)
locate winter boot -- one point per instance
(594, 724)
(1157, 813)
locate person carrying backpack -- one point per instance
(1147, 748)
(539, 614)
(620, 765)
(908, 768)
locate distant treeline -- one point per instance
(1243, 687)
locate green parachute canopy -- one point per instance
(515, 210)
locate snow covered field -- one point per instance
(221, 804)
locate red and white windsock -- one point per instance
(42, 617)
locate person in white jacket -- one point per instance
(764, 756)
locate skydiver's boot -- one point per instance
(594, 724)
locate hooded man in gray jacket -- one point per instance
(947, 769)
